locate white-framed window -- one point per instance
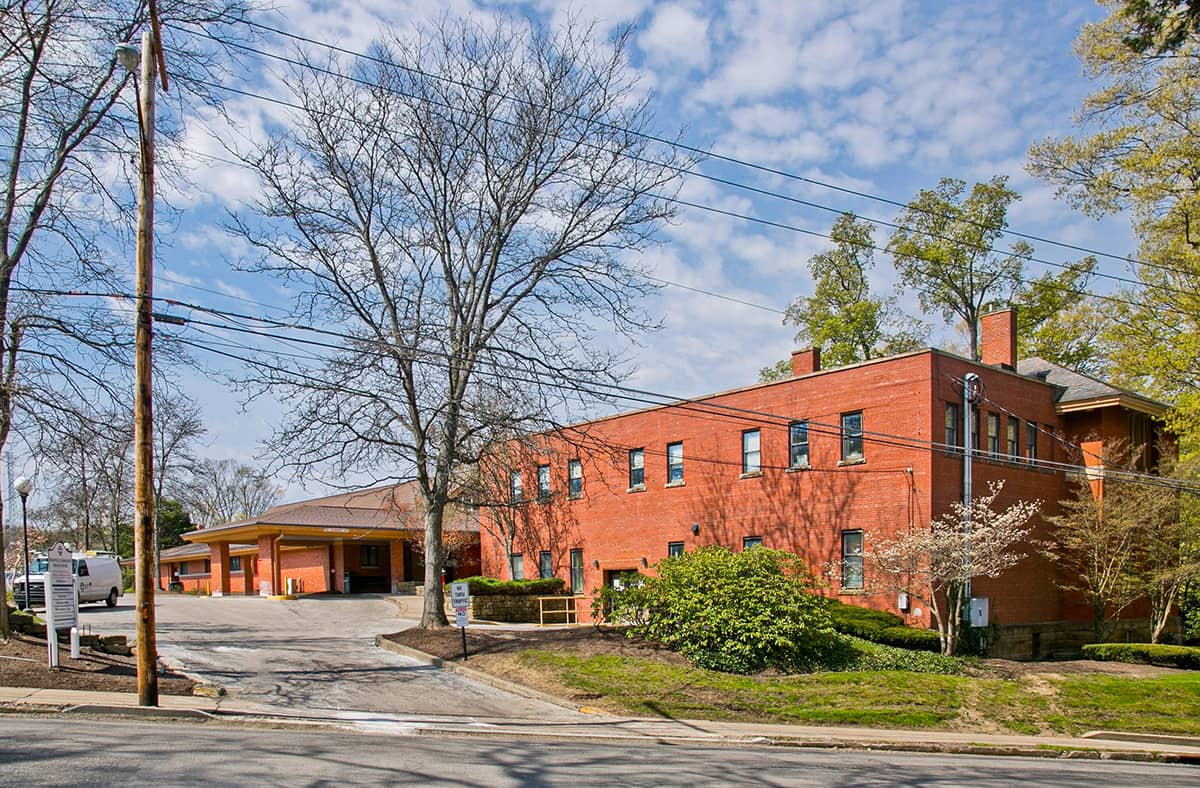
(798, 444)
(574, 478)
(952, 426)
(751, 541)
(751, 451)
(514, 486)
(543, 482)
(852, 436)
(1012, 437)
(637, 468)
(674, 549)
(852, 559)
(545, 564)
(1031, 434)
(577, 571)
(993, 434)
(675, 462)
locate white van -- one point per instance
(97, 578)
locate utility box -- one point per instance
(980, 610)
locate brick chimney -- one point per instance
(997, 338)
(805, 362)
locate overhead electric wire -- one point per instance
(703, 152)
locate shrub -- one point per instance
(490, 586)
(1145, 653)
(736, 612)
(855, 654)
(879, 626)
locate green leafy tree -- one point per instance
(1060, 321)
(734, 612)
(943, 249)
(1160, 26)
(841, 316)
(1138, 150)
(173, 522)
(778, 371)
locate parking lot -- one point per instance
(311, 653)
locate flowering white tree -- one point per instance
(934, 565)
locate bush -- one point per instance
(855, 654)
(490, 586)
(1145, 653)
(734, 612)
(879, 626)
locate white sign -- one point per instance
(460, 617)
(62, 599)
(460, 594)
(979, 611)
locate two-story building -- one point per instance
(822, 464)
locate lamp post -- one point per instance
(143, 458)
(23, 485)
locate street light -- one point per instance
(24, 486)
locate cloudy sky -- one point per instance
(882, 97)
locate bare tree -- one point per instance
(68, 131)
(936, 565)
(466, 210)
(221, 491)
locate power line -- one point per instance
(705, 153)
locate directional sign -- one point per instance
(460, 594)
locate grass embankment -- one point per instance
(893, 698)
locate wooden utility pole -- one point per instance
(143, 432)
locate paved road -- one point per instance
(312, 653)
(66, 751)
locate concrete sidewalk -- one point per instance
(600, 726)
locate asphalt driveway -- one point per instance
(314, 653)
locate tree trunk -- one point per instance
(433, 614)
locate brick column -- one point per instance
(219, 568)
(339, 566)
(266, 564)
(395, 564)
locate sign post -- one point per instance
(62, 599)
(460, 600)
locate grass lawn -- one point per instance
(900, 699)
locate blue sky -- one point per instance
(883, 97)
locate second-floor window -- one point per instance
(514, 486)
(1013, 424)
(674, 549)
(637, 468)
(1030, 441)
(993, 434)
(675, 463)
(798, 444)
(952, 422)
(543, 479)
(574, 478)
(751, 452)
(852, 436)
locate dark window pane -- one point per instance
(798, 444)
(852, 436)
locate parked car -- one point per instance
(97, 579)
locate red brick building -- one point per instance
(820, 464)
(358, 542)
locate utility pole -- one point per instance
(143, 432)
(970, 389)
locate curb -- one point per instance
(484, 678)
(156, 712)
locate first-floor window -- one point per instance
(852, 559)
(514, 486)
(368, 556)
(207, 565)
(751, 451)
(674, 549)
(852, 436)
(577, 571)
(798, 444)
(545, 564)
(751, 541)
(235, 563)
(183, 567)
(574, 478)
(516, 566)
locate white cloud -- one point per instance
(676, 35)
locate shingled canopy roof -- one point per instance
(1082, 392)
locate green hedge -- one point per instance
(879, 626)
(490, 586)
(1145, 653)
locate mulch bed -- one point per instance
(23, 663)
(481, 641)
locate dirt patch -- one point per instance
(23, 663)
(584, 641)
(1010, 669)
